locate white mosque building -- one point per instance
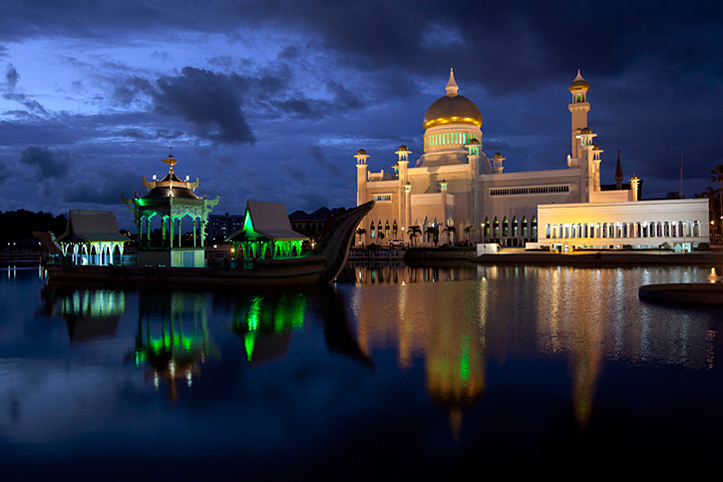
(454, 183)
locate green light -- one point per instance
(249, 342)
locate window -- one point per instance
(372, 232)
(394, 229)
(520, 191)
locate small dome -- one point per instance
(595, 147)
(474, 142)
(579, 83)
(403, 148)
(361, 152)
(586, 130)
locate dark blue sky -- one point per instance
(270, 100)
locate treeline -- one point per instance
(17, 226)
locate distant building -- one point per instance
(454, 186)
(221, 226)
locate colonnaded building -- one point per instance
(455, 184)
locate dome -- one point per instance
(586, 130)
(497, 155)
(361, 152)
(452, 109)
(403, 148)
(579, 83)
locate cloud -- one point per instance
(11, 76)
(45, 162)
(210, 101)
(316, 154)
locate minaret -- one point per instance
(619, 174)
(404, 204)
(587, 164)
(578, 110)
(361, 176)
(497, 163)
(473, 158)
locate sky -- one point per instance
(269, 100)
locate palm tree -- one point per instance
(450, 230)
(433, 232)
(414, 231)
(360, 232)
(469, 230)
(717, 176)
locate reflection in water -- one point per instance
(89, 313)
(491, 367)
(583, 316)
(173, 336)
(265, 323)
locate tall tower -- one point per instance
(361, 176)
(578, 110)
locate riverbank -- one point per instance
(604, 258)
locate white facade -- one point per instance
(455, 187)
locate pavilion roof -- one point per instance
(88, 226)
(266, 220)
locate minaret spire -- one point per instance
(452, 87)
(619, 174)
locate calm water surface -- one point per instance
(395, 373)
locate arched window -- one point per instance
(534, 226)
(515, 233)
(524, 227)
(380, 233)
(495, 228)
(394, 229)
(505, 227)
(486, 228)
(548, 232)
(696, 228)
(386, 229)
(372, 231)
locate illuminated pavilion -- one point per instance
(172, 202)
(92, 238)
(455, 187)
(266, 233)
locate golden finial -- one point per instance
(170, 160)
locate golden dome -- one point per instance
(579, 83)
(586, 130)
(452, 109)
(361, 152)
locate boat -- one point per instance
(320, 266)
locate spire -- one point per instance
(618, 174)
(451, 85)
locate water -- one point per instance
(395, 373)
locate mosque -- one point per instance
(454, 187)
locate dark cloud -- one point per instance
(210, 101)
(33, 106)
(317, 155)
(11, 76)
(47, 164)
(132, 90)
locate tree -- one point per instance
(360, 232)
(414, 231)
(433, 232)
(717, 176)
(451, 231)
(469, 230)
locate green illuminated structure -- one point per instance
(171, 201)
(266, 233)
